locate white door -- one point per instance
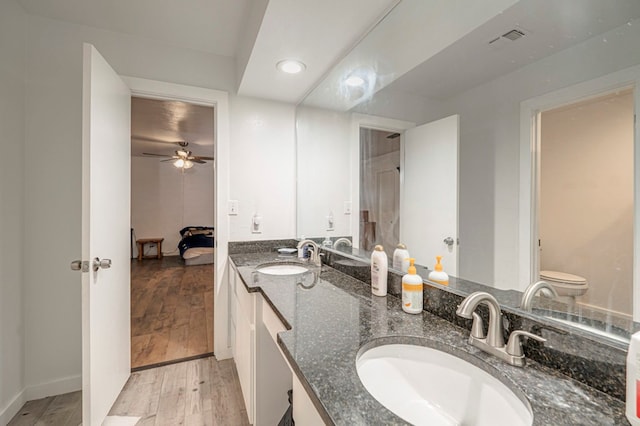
(106, 153)
(429, 198)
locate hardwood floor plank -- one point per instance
(171, 407)
(228, 404)
(31, 412)
(178, 339)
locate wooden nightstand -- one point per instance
(141, 242)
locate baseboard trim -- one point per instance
(54, 387)
(12, 408)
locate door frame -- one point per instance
(219, 100)
(530, 111)
(359, 121)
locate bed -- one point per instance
(197, 245)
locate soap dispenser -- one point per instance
(412, 290)
(438, 275)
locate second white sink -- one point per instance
(281, 269)
(426, 386)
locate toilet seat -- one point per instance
(565, 284)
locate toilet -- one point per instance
(567, 285)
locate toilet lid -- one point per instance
(562, 277)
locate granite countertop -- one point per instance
(332, 320)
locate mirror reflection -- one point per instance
(505, 144)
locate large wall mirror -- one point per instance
(498, 134)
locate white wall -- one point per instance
(586, 197)
(263, 177)
(12, 69)
(53, 177)
(165, 200)
(324, 170)
(489, 151)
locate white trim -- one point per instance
(43, 390)
(220, 100)
(529, 130)
(370, 122)
(13, 407)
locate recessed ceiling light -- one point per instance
(291, 66)
(354, 81)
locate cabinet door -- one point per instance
(245, 345)
(233, 304)
(304, 412)
(244, 357)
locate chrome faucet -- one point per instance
(315, 252)
(545, 289)
(342, 240)
(493, 343)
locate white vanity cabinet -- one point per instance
(265, 375)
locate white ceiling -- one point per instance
(257, 33)
(318, 33)
(549, 27)
(213, 26)
(157, 125)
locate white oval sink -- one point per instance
(282, 269)
(425, 386)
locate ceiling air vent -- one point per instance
(513, 35)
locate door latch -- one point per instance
(80, 265)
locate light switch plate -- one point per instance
(233, 207)
(347, 207)
(256, 224)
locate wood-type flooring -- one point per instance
(202, 392)
(171, 311)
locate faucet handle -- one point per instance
(477, 328)
(514, 345)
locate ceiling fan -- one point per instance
(183, 158)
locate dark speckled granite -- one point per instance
(595, 361)
(236, 247)
(333, 319)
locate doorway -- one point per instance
(380, 189)
(172, 236)
(585, 208)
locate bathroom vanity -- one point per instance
(306, 332)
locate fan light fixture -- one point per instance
(291, 66)
(181, 163)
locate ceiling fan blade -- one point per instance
(156, 155)
(197, 160)
(203, 158)
(143, 139)
(167, 160)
